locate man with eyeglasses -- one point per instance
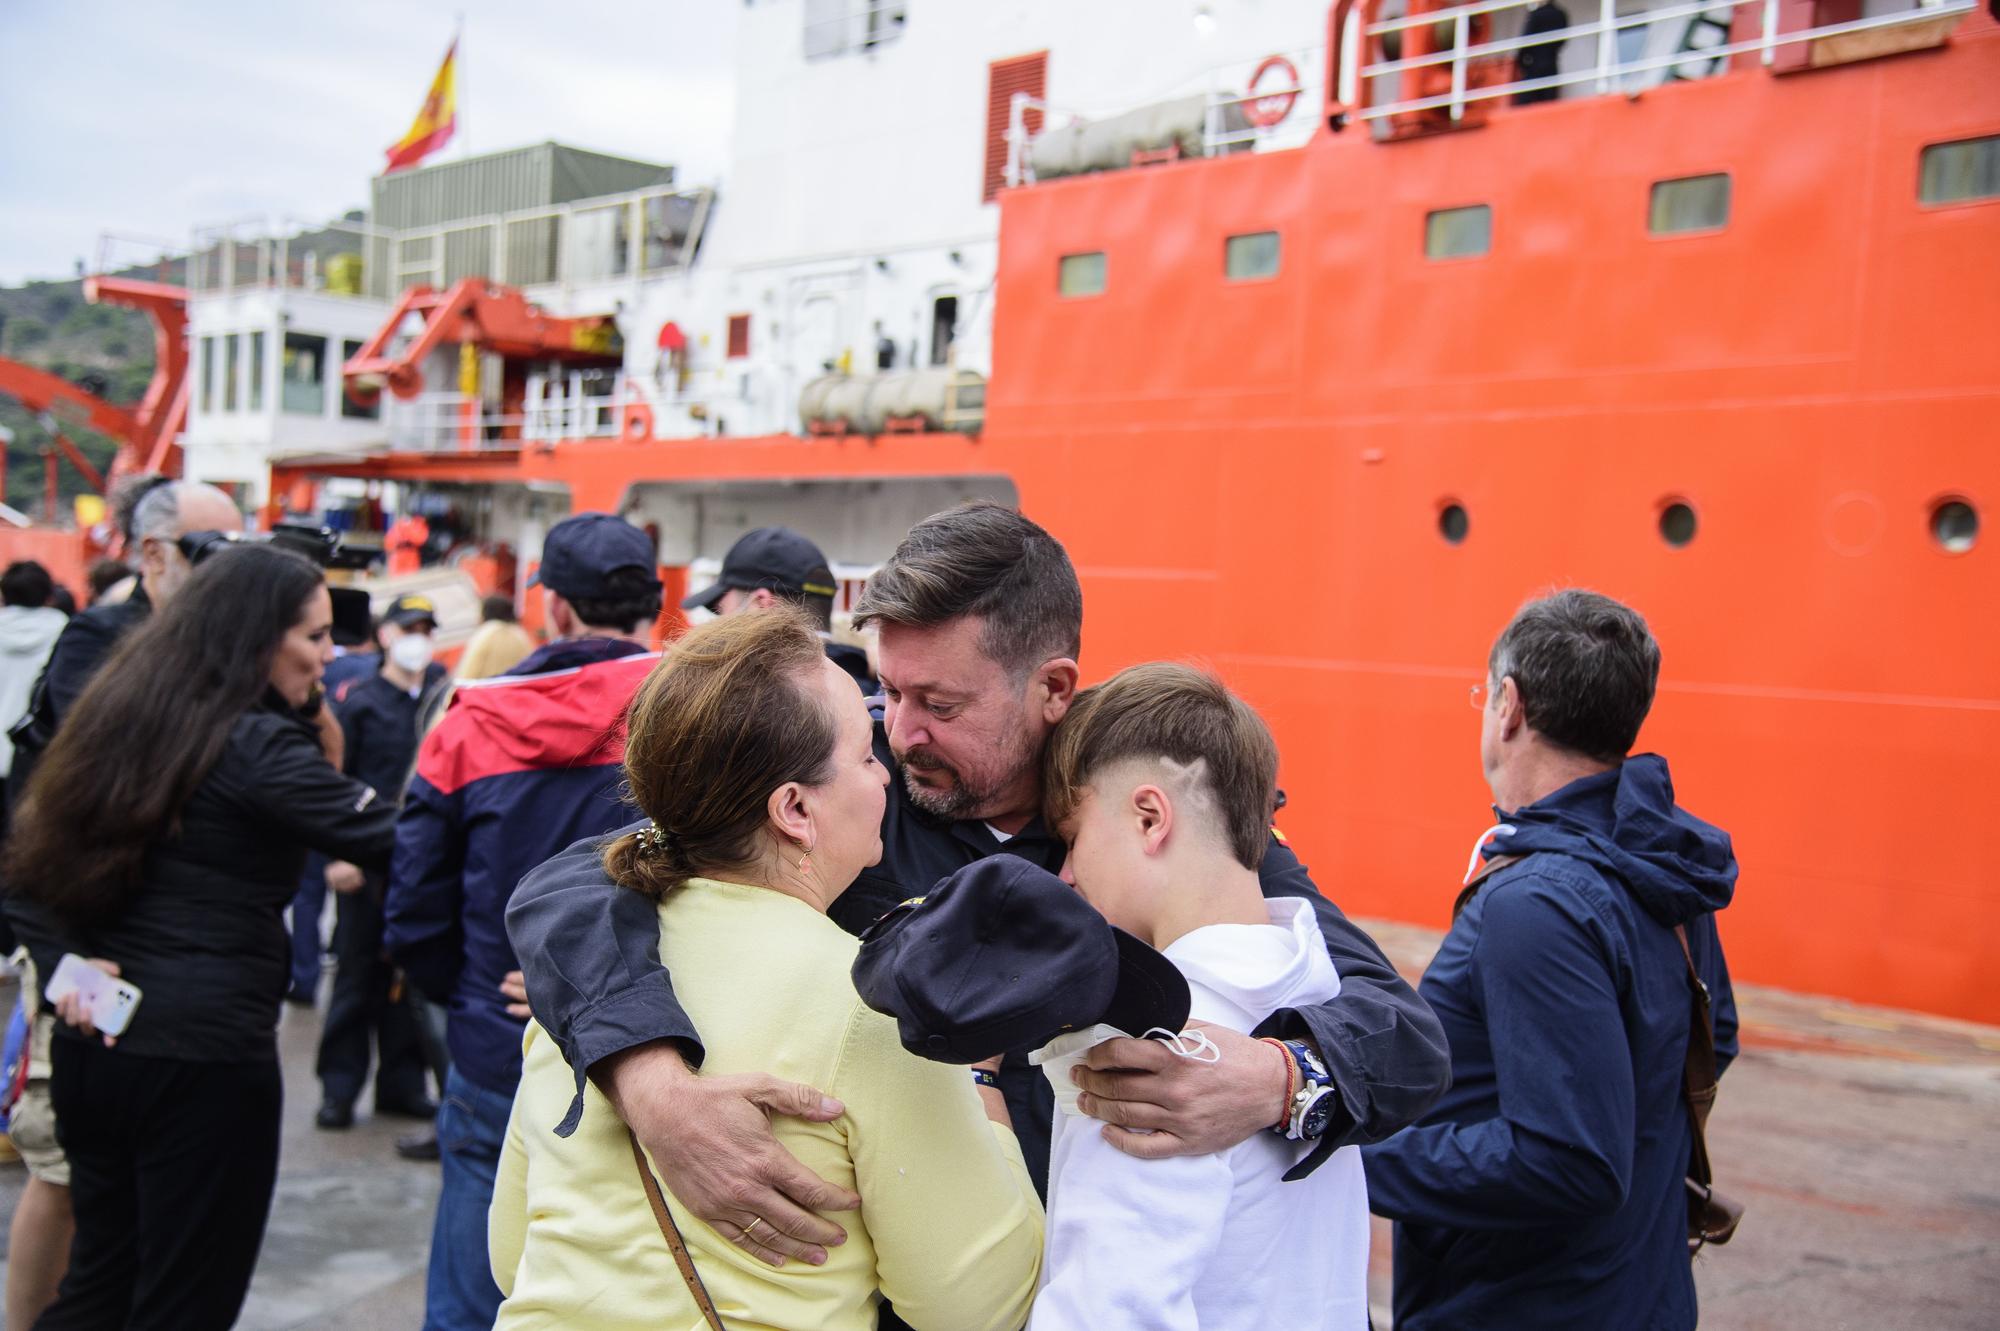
(1546, 1189)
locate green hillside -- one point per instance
(107, 350)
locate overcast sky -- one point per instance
(144, 118)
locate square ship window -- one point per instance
(1458, 233)
(1960, 172)
(1081, 274)
(1251, 256)
(1692, 203)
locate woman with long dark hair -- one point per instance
(165, 830)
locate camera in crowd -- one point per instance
(352, 623)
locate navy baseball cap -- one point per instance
(409, 609)
(580, 554)
(1003, 955)
(776, 558)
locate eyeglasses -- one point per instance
(1478, 697)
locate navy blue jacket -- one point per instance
(1545, 1189)
(379, 724)
(591, 954)
(520, 766)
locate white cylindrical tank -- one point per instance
(940, 397)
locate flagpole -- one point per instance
(458, 75)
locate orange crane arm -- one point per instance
(161, 414)
(492, 317)
(41, 391)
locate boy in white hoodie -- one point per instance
(1163, 784)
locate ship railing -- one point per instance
(125, 255)
(330, 258)
(449, 423)
(618, 237)
(1608, 73)
(552, 411)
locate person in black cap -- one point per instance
(773, 564)
(378, 718)
(353, 662)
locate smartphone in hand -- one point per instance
(111, 1000)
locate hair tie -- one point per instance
(657, 840)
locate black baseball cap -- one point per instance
(411, 609)
(580, 554)
(776, 558)
(1003, 955)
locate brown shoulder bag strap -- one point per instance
(672, 1234)
(1472, 886)
(1699, 1080)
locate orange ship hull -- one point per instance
(1251, 474)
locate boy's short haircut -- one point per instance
(1161, 710)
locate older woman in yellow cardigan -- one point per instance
(753, 756)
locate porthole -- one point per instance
(1452, 523)
(1081, 274)
(1458, 233)
(1692, 203)
(1677, 523)
(1955, 525)
(1247, 257)
(1960, 172)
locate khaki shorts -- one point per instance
(32, 1125)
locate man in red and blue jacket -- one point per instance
(521, 765)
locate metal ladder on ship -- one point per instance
(1709, 28)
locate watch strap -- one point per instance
(1315, 1084)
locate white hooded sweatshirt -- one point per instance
(27, 633)
(1212, 1241)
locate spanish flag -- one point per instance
(435, 122)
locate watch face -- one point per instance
(1317, 1115)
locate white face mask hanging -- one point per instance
(1059, 1055)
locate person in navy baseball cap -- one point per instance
(775, 564)
(409, 610)
(1002, 956)
(596, 557)
(773, 559)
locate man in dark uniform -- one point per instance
(379, 718)
(1540, 61)
(354, 664)
(773, 564)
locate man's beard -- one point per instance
(960, 800)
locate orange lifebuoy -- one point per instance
(1266, 111)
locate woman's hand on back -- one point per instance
(711, 1140)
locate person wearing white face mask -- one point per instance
(379, 716)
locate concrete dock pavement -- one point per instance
(350, 1226)
(1865, 1142)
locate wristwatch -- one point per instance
(1313, 1103)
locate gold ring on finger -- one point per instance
(754, 1222)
